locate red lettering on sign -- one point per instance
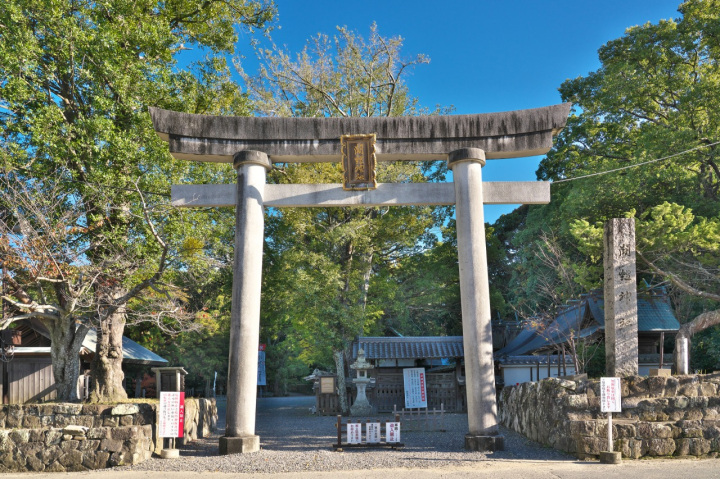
(181, 415)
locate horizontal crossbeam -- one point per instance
(509, 134)
(386, 194)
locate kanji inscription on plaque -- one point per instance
(358, 160)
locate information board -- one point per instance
(372, 432)
(354, 433)
(392, 432)
(172, 414)
(415, 390)
(610, 399)
(327, 385)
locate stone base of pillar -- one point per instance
(170, 453)
(607, 457)
(484, 443)
(239, 445)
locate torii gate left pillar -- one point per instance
(240, 434)
(464, 140)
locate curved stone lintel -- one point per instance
(510, 134)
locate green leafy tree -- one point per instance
(645, 132)
(675, 244)
(76, 78)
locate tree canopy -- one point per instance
(76, 78)
(643, 140)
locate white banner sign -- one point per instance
(610, 395)
(372, 433)
(172, 414)
(392, 432)
(354, 433)
(415, 390)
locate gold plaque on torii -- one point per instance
(358, 161)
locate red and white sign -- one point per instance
(610, 399)
(354, 433)
(392, 432)
(172, 414)
(415, 390)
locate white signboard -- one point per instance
(372, 433)
(354, 433)
(392, 432)
(610, 394)
(172, 414)
(415, 390)
(262, 380)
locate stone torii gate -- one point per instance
(254, 144)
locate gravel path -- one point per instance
(293, 440)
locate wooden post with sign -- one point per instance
(610, 402)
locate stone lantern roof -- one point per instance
(360, 362)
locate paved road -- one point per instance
(681, 468)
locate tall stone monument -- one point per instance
(466, 142)
(621, 322)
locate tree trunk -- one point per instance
(342, 390)
(107, 373)
(366, 279)
(65, 343)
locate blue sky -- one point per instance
(486, 56)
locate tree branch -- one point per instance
(677, 281)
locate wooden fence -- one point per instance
(422, 419)
(29, 379)
(443, 390)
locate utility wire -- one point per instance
(638, 164)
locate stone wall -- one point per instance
(200, 418)
(57, 437)
(661, 416)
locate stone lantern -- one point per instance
(361, 406)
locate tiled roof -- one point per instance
(132, 351)
(654, 315)
(417, 347)
(524, 337)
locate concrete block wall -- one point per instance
(58, 437)
(661, 416)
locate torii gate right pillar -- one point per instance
(466, 165)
